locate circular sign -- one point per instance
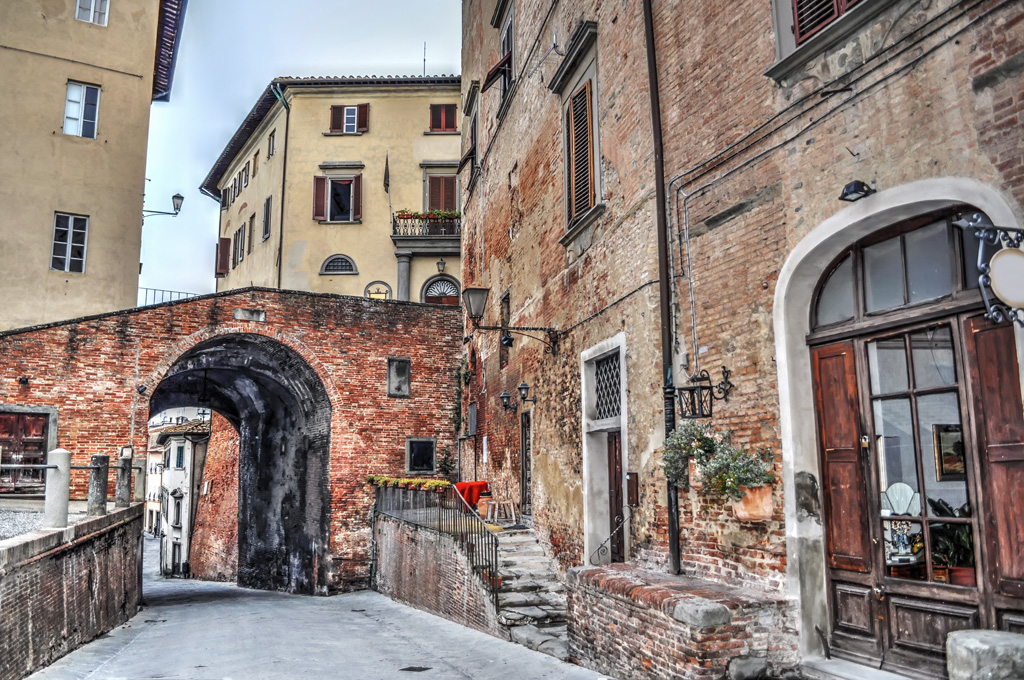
(1008, 276)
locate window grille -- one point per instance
(607, 387)
(339, 264)
(442, 288)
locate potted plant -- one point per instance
(723, 470)
(404, 214)
(446, 463)
(953, 544)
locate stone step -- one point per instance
(519, 574)
(522, 553)
(541, 640)
(514, 585)
(531, 599)
(537, 563)
(537, 615)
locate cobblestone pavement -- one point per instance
(201, 630)
(14, 522)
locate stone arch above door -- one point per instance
(792, 311)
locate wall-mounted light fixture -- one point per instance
(23, 380)
(176, 201)
(524, 396)
(1000, 267)
(855, 190)
(440, 265)
(141, 389)
(697, 399)
(475, 300)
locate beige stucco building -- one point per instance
(79, 77)
(303, 198)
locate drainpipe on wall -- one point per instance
(665, 281)
(275, 88)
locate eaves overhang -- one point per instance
(168, 37)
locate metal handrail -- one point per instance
(418, 226)
(603, 549)
(447, 512)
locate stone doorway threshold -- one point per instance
(841, 669)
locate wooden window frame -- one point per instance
(838, 9)
(574, 209)
(448, 117)
(271, 144)
(322, 196)
(267, 217)
(339, 122)
(252, 234)
(447, 187)
(255, 162)
(222, 257)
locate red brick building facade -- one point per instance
(303, 381)
(765, 118)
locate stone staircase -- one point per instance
(531, 601)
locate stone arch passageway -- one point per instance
(282, 413)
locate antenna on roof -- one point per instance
(424, 59)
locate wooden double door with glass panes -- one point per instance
(922, 462)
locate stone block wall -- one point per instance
(214, 547)
(638, 625)
(61, 588)
(424, 568)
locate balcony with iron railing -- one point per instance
(156, 296)
(434, 232)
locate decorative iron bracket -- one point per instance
(603, 549)
(697, 399)
(552, 334)
(991, 238)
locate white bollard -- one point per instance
(58, 488)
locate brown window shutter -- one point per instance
(581, 153)
(435, 193)
(223, 256)
(225, 198)
(319, 198)
(496, 72)
(436, 117)
(448, 183)
(362, 117)
(337, 118)
(255, 163)
(449, 117)
(357, 197)
(810, 16)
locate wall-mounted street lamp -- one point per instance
(440, 265)
(176, 201)
(524, 396)
(475, 300)
(697, 400)
(855, 190)
(1000, 267)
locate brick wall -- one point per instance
(424, 568)
(61, 588)
(213, 552)
(91, 370)
(637, 625)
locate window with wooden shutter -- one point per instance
(337, 118)
(223, 258)
(810, 16)
(255, 162)
(225, 198)
(357, 197)
(442, 118)
(580, 145)
(441, 193)
(319, 198)
(266, 217)
(252, 230)
(362, 118)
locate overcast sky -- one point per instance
(229, 52)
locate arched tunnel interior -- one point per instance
(282, 413)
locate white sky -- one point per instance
(230, 50)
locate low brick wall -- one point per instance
(61, 588)
(634, 624)
(424, 568)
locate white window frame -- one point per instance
(267, 217)
(93, 9)
(271, 144)
(74, 125)
(351, 120)
(331, 179)
(68, 243)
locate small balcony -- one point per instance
(428, 233)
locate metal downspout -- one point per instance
(276, 90)
(665, 281)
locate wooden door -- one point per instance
(22, 441)
(525, 466)
(615, 502)
(853, 589)
(999, 431)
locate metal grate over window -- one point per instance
(607, 379)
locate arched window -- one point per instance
(338, 264)
(441, 290)
(378, 290)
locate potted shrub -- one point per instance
(446, 464)
(952, 544)
(403, 214)
(682, 448)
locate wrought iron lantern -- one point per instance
(697, 399)
(1000, 267)
(855, 190)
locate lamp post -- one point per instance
(475, 300)
(176, 201)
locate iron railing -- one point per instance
(154, 296)
(447, 512)
(417, 226)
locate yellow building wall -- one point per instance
(44, 171)
(398, 121)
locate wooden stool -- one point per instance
(506, 508)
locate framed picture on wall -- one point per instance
(950, 463)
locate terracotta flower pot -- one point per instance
(962, 576)
(756, 504)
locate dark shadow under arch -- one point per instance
(282, 413)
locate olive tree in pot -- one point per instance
(721, 469)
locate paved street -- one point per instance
(192, 629)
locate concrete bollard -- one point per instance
(58, 488)
(139, 492)
(123, 486)
(98, 485)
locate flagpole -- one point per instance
(387, 188)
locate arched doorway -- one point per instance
(912, 461)
(282, 413)
(441, 290)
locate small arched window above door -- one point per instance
(338, 264)
(441, 290)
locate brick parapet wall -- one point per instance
(639, 625)
(425, 569)
(62, 588)
(213, 551)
